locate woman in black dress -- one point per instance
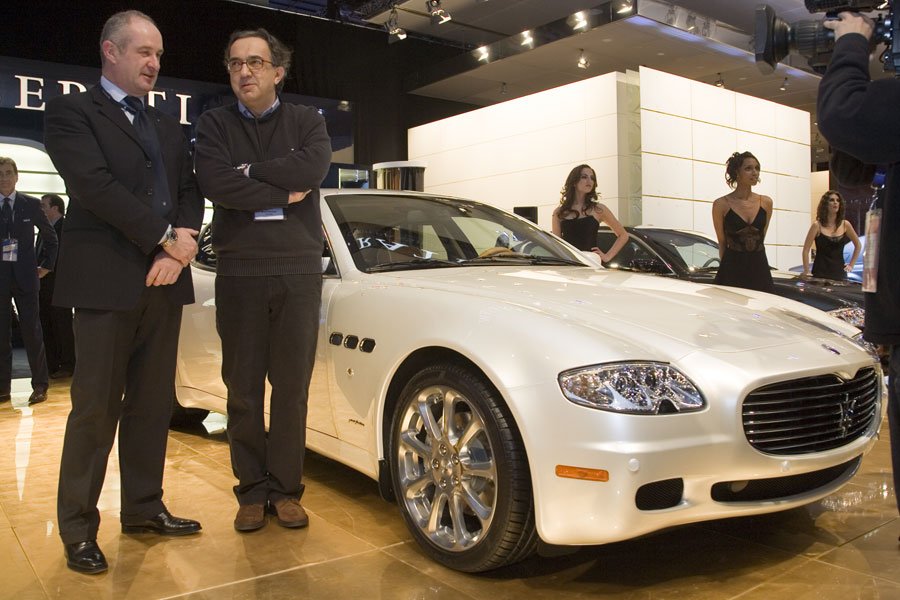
(741, 219)
(578, 216)
(830, 233)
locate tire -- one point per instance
(186, 417)
(462, 483)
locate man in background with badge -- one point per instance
(19, 274)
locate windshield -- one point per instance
(691, 251)
(393, 232)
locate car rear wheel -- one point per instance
(460, 471)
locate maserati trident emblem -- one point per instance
(848, 410)
(831, 349)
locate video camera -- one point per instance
(774, 38)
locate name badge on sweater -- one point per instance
(270, 214)
(10, 250)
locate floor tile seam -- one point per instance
(229, 584)
(31, 564)
(425, 573)
(821, 555)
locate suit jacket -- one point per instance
(111, 230)
(43, 257)
(27, 215)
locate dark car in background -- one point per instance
(693, 256)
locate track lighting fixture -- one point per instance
(438, 14)
(483, 53)
(392, 26)
(583, 62)
(720, 82)
(503, 88)
(784, 85)
(527, 40)
(580, 21)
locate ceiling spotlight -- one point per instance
(720, 82)
(583, 62)
(483, 53)
(438, 14)
(580, 21)
(625, 8)
(527, 40)
(392, 26)
(784, 85)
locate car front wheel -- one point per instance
(460, 471)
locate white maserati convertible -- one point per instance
(504, 390)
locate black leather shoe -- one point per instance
(162, 524)
(85, 557)
(37, 396)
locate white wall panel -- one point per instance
(666, 176)
(668, 212)
(792, 193)
(711, 104)
(787, 257)
(764, 148)
(666, 93)
(665, 134)
(703, 218)
(713, 143)
(792, 158)
(755, 114)
(791, 124)
(709, 181)
(792, 228)
(601, 136)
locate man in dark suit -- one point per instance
(134, 210)
(56, 321)
(19, 271)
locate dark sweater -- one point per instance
(862, 118)
(289, 151)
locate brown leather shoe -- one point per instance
(250, 517)
(290, 513)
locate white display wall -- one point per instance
(657, 141)
(518, 153)
(689, 129)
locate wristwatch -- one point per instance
(171, 237)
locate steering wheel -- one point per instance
(710, 262)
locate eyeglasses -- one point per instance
(254, 63)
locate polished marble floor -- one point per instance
(844, 547)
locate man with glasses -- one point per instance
(260, 162)
(133, 210)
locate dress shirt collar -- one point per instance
(112, 90)
(247, 113)
(12, 199)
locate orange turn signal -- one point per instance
(582, 473)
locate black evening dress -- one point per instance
(829, 262)
(580, 232)
(744, 262)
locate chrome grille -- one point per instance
(812, 414)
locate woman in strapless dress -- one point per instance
(830, 233)
(579, 214)
(741, 219)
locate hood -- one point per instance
(633, 307)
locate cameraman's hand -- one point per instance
(850, 22)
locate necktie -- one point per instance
(6, 217)
(150, 142)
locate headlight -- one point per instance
(644, 388)
(854, 315)
(867, 346)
